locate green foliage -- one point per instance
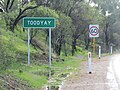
(43, 12)
(12, 48)
(11, 6)
(81, 51)
(7, 54)
(62, 36)
(2, 24)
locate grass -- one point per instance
(36, 76)
(34, 80)
(10, 42)
(28, 74)
(66, 63)
(19, 45)
(62, 69)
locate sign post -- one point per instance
(94, 32)
(111, 49)
(94, 45)
(89, 63)
(28, 46)
(99, 52)
(50, 52)
(39, 22)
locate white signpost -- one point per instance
(89, 63)
(99, 52)
(93, 30)
(111, 49)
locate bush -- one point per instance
(7, 53)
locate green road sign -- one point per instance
(39, 22)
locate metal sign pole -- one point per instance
(28, 46)
(49, 87)
(49, 53)
(94, 45)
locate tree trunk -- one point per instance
(59, 43)
(107, 37)
(58, 49)
(65, 51)
(87, 42)
(73, 46)
(12, 26)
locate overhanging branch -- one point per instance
(11, 4)
(8, 2)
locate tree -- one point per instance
(11, 15)
(82, 18)
(61, 36)
(108, 8)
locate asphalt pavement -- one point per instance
(114, 72)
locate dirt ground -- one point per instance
(98, 80)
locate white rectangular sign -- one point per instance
(93, 30)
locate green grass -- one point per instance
(31, 73)
(34, 80)
(19, 45)
(35, 75)
(63, 68)
(28, 74)
(66, 63)
(10, 42)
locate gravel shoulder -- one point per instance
(82, 80)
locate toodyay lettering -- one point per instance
(38, 22)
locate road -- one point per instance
(114, 67)
(105, 75)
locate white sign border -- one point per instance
(90, 26)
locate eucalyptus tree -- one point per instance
(62, 35)
(8, 7)
(14, 12)
(67, 7)
(110, 9)
(82, 15)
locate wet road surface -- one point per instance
(114, 72)
(105, 75)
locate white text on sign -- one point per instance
(38, 22)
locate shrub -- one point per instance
(7, 53)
